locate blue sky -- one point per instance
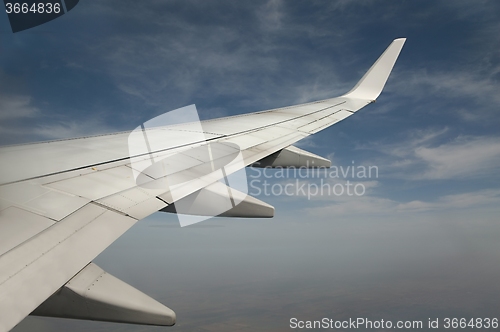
(426, 222)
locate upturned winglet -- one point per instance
(371, 84)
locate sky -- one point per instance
(422, 240)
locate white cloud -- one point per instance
(16, 106)
(423, 157)
(455, 201)
(453, 84)
(466, 157)
(372, 205)
(271, 14)
(71, 129)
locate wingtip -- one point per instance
(372, 83)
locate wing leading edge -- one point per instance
(103, 202)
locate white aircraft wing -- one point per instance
(63, 202)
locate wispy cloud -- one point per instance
(465, 157)
(373, 205)
(251, 53)
(271, 14)
(432, 155)
(452, 84)
(17, 106)
(457, 201)
(71, 129)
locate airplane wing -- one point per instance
(63, 202)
